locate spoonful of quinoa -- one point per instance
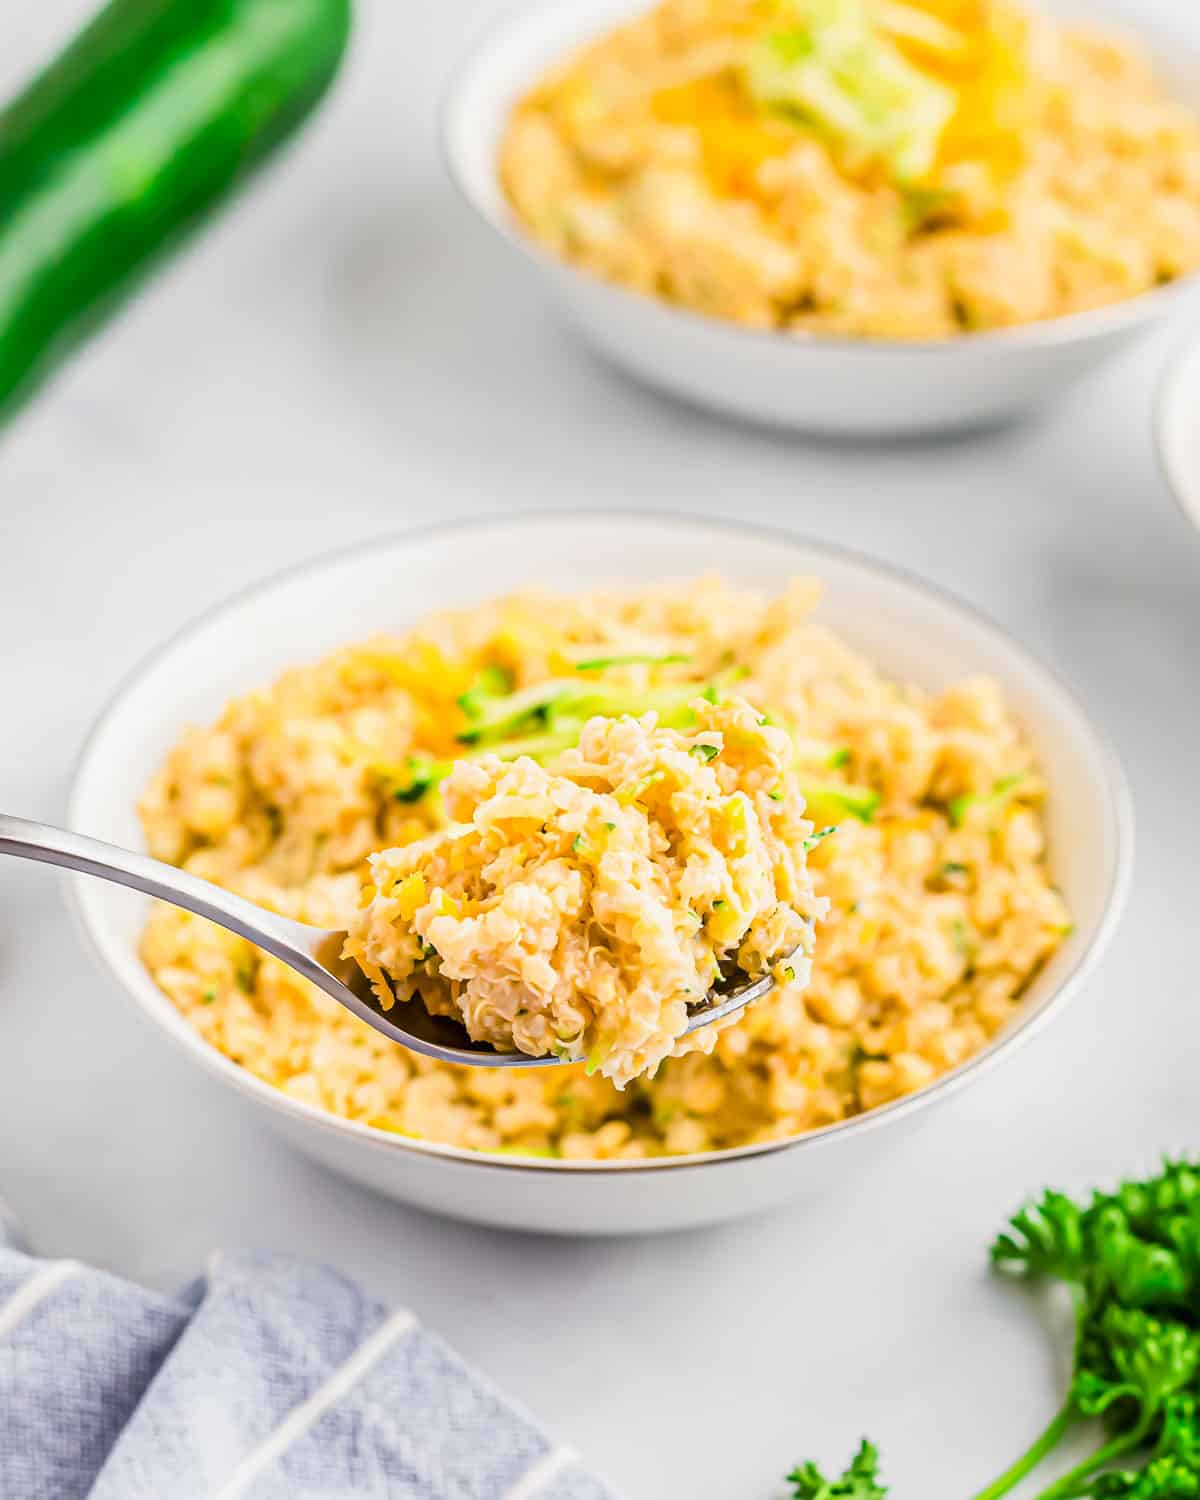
(616, 909)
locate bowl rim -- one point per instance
(1070, 328)
(1118, 811)
(1182, 362)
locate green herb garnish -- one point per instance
(923, 206)
(997, 799)
(418, 776)
(705, 752)
(1131, 1261)
(859, 1482)
(819, 837)
(566, 704)
(630, 791)
(548, 717)
(832, 72)
(860, 802)
(499, 715)
(492, 682)
(632, 659)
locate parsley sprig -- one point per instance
(1131, 1261)
(859, 1482)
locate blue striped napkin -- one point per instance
(269, 1379)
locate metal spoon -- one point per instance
(314, 952)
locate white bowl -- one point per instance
(1178, 424)
(913, 632)
(804, 381)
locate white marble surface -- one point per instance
(348, 355)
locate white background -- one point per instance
(349, 354)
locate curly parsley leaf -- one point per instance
(860, 1481)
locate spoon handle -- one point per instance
(87, 856)
(313, 952)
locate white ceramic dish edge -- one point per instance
(1177, 425)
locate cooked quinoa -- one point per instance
(941, 908)
(908, 170)
(579, 912)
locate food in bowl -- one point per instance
(941, 908)
(895, 169)
(581, 912)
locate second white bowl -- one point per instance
(1178, 422)
(803, 381)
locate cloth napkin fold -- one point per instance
(269, 1379)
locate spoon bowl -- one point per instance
(314, 952)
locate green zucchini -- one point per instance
(137, 132)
